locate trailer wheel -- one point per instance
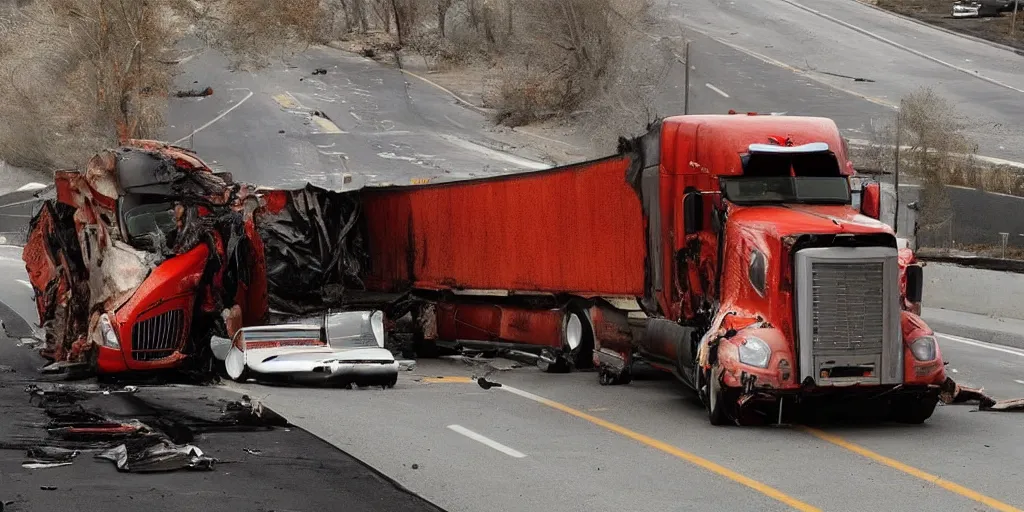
(579, 335)
(913, 410)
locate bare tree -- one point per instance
(101, 60)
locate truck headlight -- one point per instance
(377, 323)
(108, 333)
(755, 352)
(923, 348)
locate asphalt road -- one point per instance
(648, 446)
(816, 40)
(375, 123)
(258, 468)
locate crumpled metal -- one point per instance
(162, 456)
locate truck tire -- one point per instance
(913, 410)
(582, 355)
(719, 405)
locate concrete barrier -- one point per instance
(982, 292)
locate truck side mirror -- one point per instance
(915, 283)
(693, 212)
(871, 200)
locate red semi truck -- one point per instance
(722, 249)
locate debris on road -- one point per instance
(161, 456)
(319, 71)
(953, 393)
(341, 348)
(195, 93)
(486, 384)
(43, 465)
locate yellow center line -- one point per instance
(448, 380)
(764, 489)
(910, 470)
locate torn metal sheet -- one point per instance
(162, 456)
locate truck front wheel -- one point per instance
(721, 404)
(913, 410)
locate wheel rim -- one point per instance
(573, 331)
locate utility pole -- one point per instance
(896, 171)
(1013, 21)
(686, 80)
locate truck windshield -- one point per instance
(145, 224)
(747, 190)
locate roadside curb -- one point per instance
(976, 39)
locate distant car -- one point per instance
(981, 8)
(339, 348)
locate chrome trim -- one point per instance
(158, 337)
(889, 357)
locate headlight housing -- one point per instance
(924, 348)
(755, 352)
(108, 333)
(377, 323)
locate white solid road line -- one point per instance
(24, 282)
(905, 48)
(486, 441)
(1018, 381)
(218, 118)
(981, 344)
(716, 89)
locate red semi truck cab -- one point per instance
(129, 265)
(769, 285)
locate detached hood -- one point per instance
(777, 221)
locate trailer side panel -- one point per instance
(577, 228)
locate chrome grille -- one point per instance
(847, 305)
(158, 337)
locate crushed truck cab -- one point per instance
(769, 286)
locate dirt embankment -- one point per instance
(938, 12)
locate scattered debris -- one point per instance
(854, 78)
(251, 451)
(195, 93)
(163, 456)
(43, 465)
(407, 364)
(486, 384)
(7, 369)
(321, 114)
(319, 71)
(247, 412)
(48, 487)
(51, 454)
(415, 466)
(953, 393)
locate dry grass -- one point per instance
(79, 75)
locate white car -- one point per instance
(342, 348)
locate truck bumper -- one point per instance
(113, 361)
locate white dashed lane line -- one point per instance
(716, 89)
(486, 441)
